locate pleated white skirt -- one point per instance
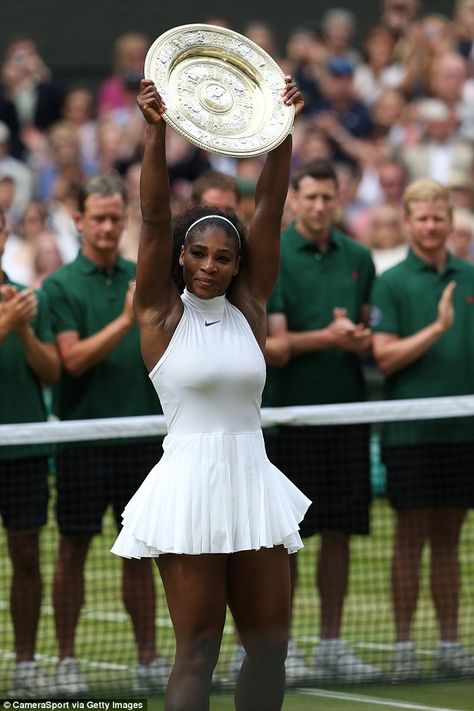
(212, 493)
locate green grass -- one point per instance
(106, 647)
(458, 696)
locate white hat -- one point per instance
(432, 110)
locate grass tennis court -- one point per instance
(457, 696)
(106, 648)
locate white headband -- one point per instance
(215, 217)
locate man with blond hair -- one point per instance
(423, 323)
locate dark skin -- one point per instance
(254, 584)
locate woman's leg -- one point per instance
(195, 587)
(259, 598)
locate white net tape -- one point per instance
(149, 426)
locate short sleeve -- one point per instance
(384, 309)
(276, 303)
(42, 322)
(62, 315)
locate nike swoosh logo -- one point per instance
(211, 323)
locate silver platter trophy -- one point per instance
(222, 91)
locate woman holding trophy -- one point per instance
(217, 515)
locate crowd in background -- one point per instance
(390, 109)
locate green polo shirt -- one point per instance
(405, 300)
(84, 297)
(311, 284)
(21, 398)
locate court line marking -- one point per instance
(375, 700)
(110, 666)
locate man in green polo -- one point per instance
(28, 359)
(103, 376)
(423, 318)
(320, 305)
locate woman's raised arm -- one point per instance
(263, 248)
(155, 290)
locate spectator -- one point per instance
(391, 178)
(62, 208)
(7, 197)
(97, 339)
(79, 110)
(464, 27)
(16, 169)
(130, 50)
(19, 250)
(423, 320)
(340, 106)
(263, 34)
(319, 306)
(28, 359)
(338, 29)
(185, 161)
(63, 160)
(437, 31)
(46, 258)
(391, 115)
(307, 56)
(449, 82)
(379, 71)
(440, 153)
(131, 234)
(461, 191)
(399, 16)
(29, 93)
(461, 239)
(216, 188)
(385, 237)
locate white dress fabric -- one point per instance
(214, 489)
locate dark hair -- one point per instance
(317, 169)
(213, 179)
(103, 185)
(182, 222)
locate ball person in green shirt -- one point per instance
(28, 359)
(103, 376)
(321, 304)
(423, 322)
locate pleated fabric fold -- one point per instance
(212, 493)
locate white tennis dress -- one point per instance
(214, 489)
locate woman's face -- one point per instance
(210, 261)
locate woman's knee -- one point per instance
(199, 655)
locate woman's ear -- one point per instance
(181, 257)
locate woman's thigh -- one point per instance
(258, 588)
(195, 588)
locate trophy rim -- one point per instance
(266, 137)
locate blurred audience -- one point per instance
(338, 26)
(31, 97)
(385, 237)
(461, 241)
(440, 152)
(18, 171)
(129, 56)
(46, 258)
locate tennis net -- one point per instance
(105, 642)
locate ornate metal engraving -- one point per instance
(222, 91)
